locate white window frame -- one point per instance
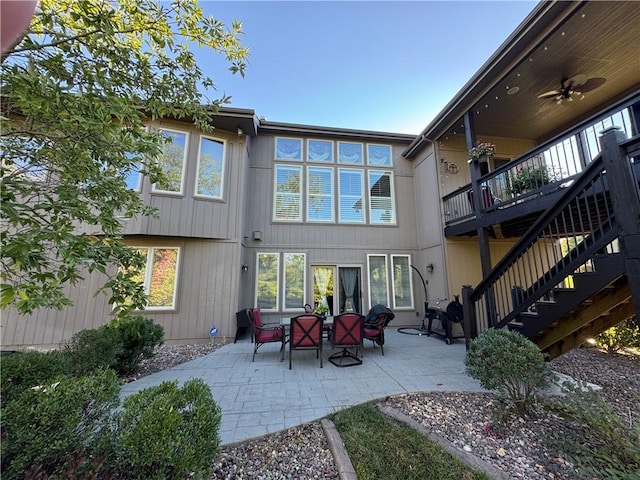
(369, 282)
(393, 282)
(309, 149)
(375, 145)
(286, 158)
(362, 196)
(284, 281)
(222, 169)
(148, 274)
(347, 162)
(330, 195)
(257, 279)
(154, 187)
(392, 195)
(276, 195)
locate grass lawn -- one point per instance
(382, 449)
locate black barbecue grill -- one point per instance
(447, 312)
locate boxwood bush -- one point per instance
(23, 370)
(511, 365)
(138, 337)
(45, 427)
(168, 432)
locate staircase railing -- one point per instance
(561, 242)
(557, 161)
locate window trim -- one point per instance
(185, 154)
(222, 170)
(275, 193)
(284, 281)
(149, 272)
(393, 282)
(386, 268)
(308, 155)
(256, 279)
(285, 159)
(331, 194)
(388, 165)
(342, 162)
(391, 197)
(362, 197)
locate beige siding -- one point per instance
(463, 261)
(207, 295)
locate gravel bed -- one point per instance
(464, 418)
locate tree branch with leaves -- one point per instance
(77, 92)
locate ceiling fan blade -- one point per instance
(591, 84)
(575, 81)
(550, 94)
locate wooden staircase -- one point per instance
(598, 300)
(597, 222)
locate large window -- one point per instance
(172, 160)
(293, 287)
(210, 168)
(320, 151)
(320, 194)
(314, 195)
(351, 197)
(379, 155)
(381, 205)
(160, 276)
(288, 148)
(378, 285)
(349, 152)
(401, 281)
(288, 193)
(269, 287)
(401, 284)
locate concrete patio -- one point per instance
(264, 396)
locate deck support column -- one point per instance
(625, 198)
(483, 234)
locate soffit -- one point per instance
(562, 40)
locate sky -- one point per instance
(387, 66)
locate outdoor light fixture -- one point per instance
(430, 268)
(245, 268)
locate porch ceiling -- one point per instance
(559, 40)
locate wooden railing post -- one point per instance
(625, 199)
(469, 324)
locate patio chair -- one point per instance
(305, 333)
(375, 331)
(264, 334)
(347, 332)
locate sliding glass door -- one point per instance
(337, 287)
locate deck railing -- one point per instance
(549, 166)
(583, 223)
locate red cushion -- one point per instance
(265, 336)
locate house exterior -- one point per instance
(275, 215)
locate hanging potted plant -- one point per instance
(482, 149)
(528, 178)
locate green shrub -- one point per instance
(22, 370)
(624, 335)
(138, 338)
(509, 364)
(45, 428)
(168, 432)
(604, 445)
(91, 349)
